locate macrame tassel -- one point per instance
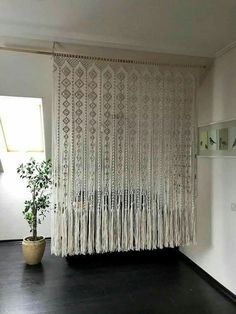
(179, 217)
(138, 229)
(182, 222)
(131, 226)
(111, 231)
(149, 229)
(105, 226)
(175, 227)
(160, 230)
(70, 230)
(98, 231)
(166, 225)
(187, 225)
(77, 230)
(154, 222)
(118, 224)
(64, 223)
(125, 237)
(124, 223)
(149, 224)
(175, 220)
(192, 224)
(193, 227)
(91, 221)
(183, 231)
(171, 229)
(84, 228)
(143, 225)
(56, 232)
(160, 225)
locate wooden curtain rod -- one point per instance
(51, 53)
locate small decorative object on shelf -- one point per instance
(38, 178)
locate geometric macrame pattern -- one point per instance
(123, 156)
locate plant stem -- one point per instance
(35, 227)
(34, 210)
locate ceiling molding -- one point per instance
(51, 35)
(226, 49)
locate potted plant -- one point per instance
(38, 178)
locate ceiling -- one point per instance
(187, 27)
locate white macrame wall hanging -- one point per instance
(123, 156)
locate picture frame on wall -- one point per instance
(232, 138)
(223, 139)
(217, 139)
(203, 140)
(212, 139)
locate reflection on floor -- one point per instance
(151, 282)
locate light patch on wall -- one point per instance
(2, 139)
(22, 124)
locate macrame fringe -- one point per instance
(142, 230)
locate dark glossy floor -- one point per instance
(155, 282)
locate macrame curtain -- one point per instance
(123, 156)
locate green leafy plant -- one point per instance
(38, 178)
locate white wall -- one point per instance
(25, 74)
(215, 251)
(22, 74)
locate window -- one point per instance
(21, 125)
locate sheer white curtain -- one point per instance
(123, 156)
